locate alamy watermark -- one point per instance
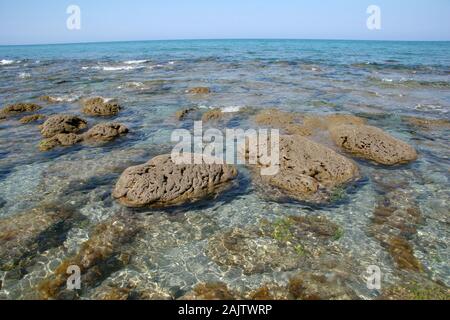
(74, 279)
(374, 277)
(374, 20)
(74, 20)
(234, 146)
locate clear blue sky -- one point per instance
(44, 21)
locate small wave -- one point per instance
(113, 68)
(228, 109)
(64, 98)
(136, 61)
(431, 108)
(5, 62)
(132, 85)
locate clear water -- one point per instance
(381, 81)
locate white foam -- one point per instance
(136, 61)
(5, 62)
(65, 98)
(387, 80)
(231, 109)
(24, 75)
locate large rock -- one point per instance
(62, 124)
(105, 132)
(373, 144)
(161, 182)
(307, 167)
(100, 107)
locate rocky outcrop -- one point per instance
(62, 124)
(199, 90)
(105, 132)
(32, 118)
(60, 140)
(373, 144)
(18, 108)
(307, 167)
(161, 182)
(100, 107)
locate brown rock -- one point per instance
(60, 140)
(211, 291)
(32, 118)
(100, 107)
(372, 143)
(161, 182)
(97, 258)
(17, 108)
(105, 132)
(199, 90)
(182, 114)
(306, 167)
(212, 115)
(62, 124)
(427, 124)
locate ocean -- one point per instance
(385, 82)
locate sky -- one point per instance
(44, 21)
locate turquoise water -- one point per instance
(380, 81)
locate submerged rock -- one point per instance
(62, 124)
(427, 124)
(100, 107)
(98, 257)
(282, 245)
(60, 140)
(104, 132)
(211, 291)
(18, 108)
(199, 90)
(161, 182)
(25, 234)
(307, 167)
(212, 115)
(32, 118)
(373, 144)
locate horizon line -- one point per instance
(215, 39)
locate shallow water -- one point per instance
(381, 81)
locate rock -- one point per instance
(98, 257)
(373, 144)
(105, 132)
(182, 114)
(212, 115)
(251, 252)
(62, 124)
(306, 167)
(199, 90)
(301, 124)
(416, 289)
(60, 140)
(427, 124)
(161, 182)
(32, 118)
(100, 107)
(17, 108)
(25, 234)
